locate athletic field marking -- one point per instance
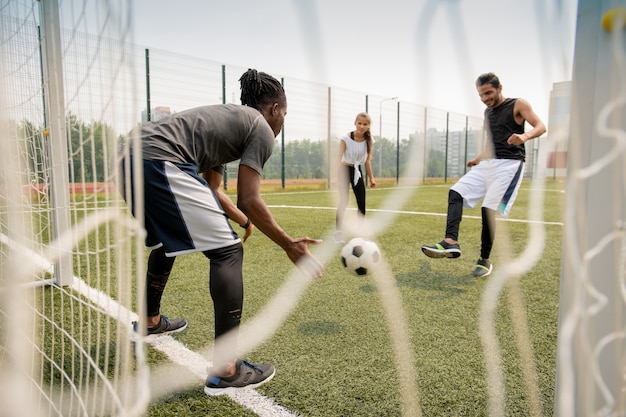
(173, 349)
(179, 353)
(420, 213)
(400, 187)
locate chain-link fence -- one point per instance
(433, 143)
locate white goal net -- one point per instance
(72, 257)
(68, 245)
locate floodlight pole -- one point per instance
(380, 133)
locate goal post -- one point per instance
(55, 132)
(591, 353)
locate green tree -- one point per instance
(34, 152)
(405, 153)
(388, 149)
(435, 164)
(89, 148)
(303, 159)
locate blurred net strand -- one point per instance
(97, 300)
(379, 222)
(508, 276)
(387, 219)
(65, 379)
(267, 322)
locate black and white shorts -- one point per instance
(182, 214)
(497, 180)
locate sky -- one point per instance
(427, 52)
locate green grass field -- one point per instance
(334, 355)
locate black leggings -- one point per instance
(159, 269)
(225, 284)
(344, 195)
(488, 232)
(455, 214)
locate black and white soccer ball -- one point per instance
(360, 256)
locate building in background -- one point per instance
(558, 129)
(157, 113)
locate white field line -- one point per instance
(420, 213)
(175, 351)
(377, 189)
(180, 354)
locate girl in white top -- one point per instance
(355, 149)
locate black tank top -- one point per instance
(502, 124)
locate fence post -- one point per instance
(366, 111)
(148, 103)
(466, 140)
(282, 147)
(328, 136)
(225, 175)
(445, 161)
(425, 145)
(398, 147)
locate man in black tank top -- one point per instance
(495, 174)
(502, 122)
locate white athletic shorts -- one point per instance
(181, 212)
(497, 180)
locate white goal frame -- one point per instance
(591, 362)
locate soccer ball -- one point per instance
(360, 256)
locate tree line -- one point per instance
(307, 158)
(90, 148)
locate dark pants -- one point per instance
(455, 214)
(344, 193)
(225, 284)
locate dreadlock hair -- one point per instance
(259, 89)
(367, 135)
(490, 78)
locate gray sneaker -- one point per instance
(483, 268)
(247, 376)
(442, 249)
(165, 326)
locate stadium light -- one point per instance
(380, 133)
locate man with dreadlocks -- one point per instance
(186, 212)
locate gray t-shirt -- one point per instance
(209, 136)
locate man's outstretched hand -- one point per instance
(299, 254)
